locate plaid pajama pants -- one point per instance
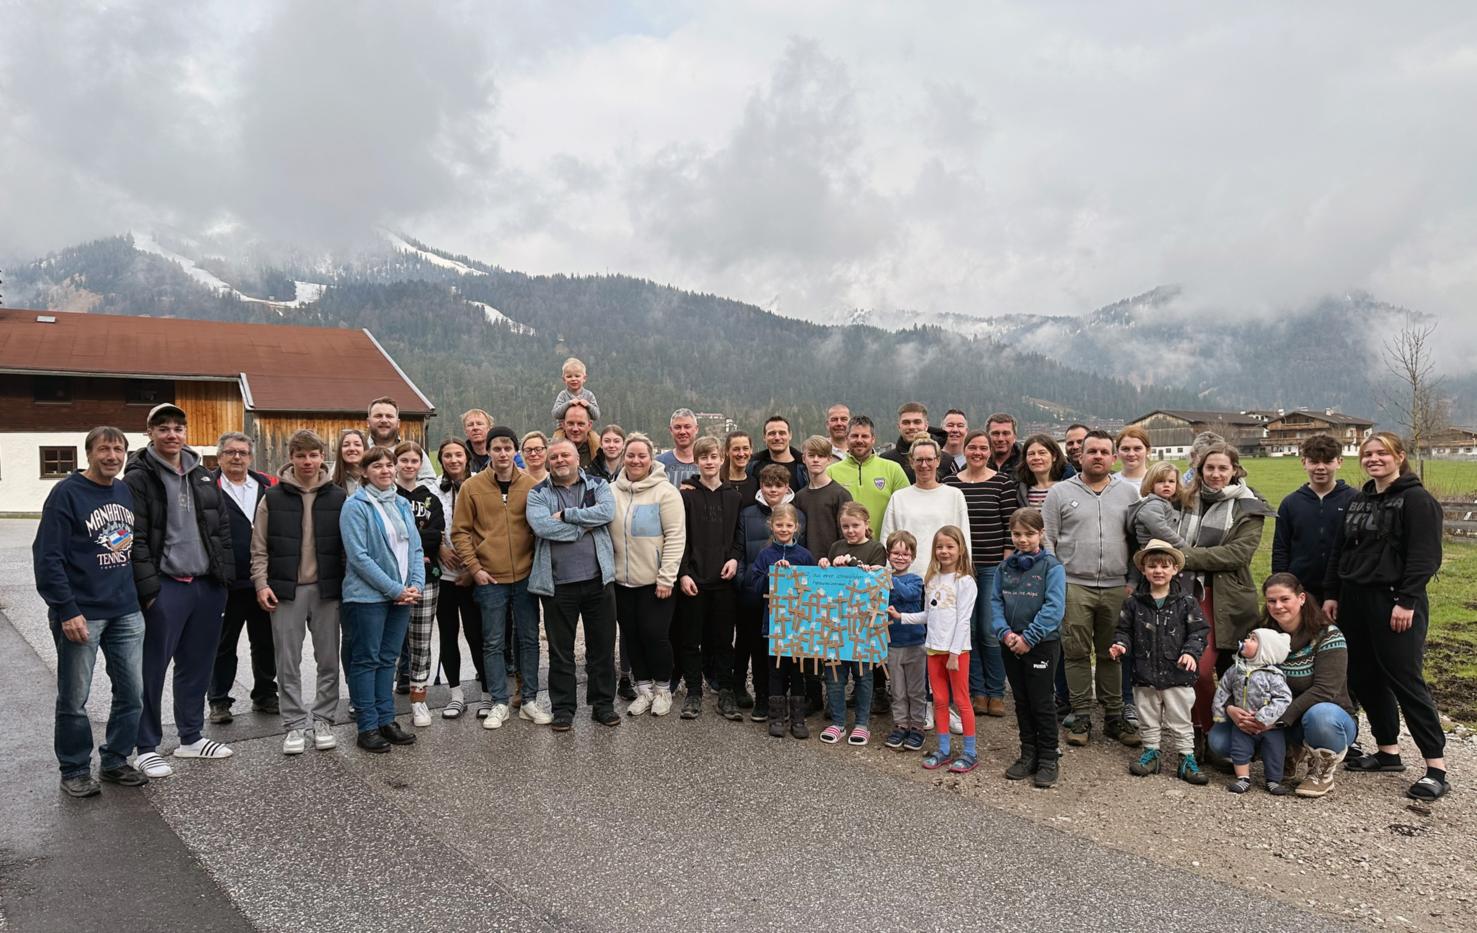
(422, 621)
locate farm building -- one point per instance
(1286, 431)
(1172, 431)
(1452, 444)
(62, 374)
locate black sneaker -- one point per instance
(125, 775)
(692, 707)
(1046, 774)
(562, 724)
(743, 699)
(606, 717)
(1022, 768)
(373, 741)
(220, 714)
(395, 734)
(760, 712)
(269, 706)
(81, 785)
(727, 708)
(895, 739)
(625, 690)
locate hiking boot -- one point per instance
(980, 704)
(1024, 766)
(1124, 731)
(798, 728)
(995, 706)
(625, 690)
(728, 706)
(1149, 763)
(774, 711)
(220, 713)
(1323, 764)
(1189, 771)
(1079, 729)
(1046, 773)
(692, 707)
(760, 712)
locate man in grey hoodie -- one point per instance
(182, 563)
(1086, 520)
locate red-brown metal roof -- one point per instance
(287, 368)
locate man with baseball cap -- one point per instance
(182, 563)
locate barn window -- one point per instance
(51, 389)
(149, 391)
(57, 462)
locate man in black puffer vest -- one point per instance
(297, 568)
(182, 564)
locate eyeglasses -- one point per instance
(235, 453)
(534, 450)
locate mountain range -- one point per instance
(472, 334)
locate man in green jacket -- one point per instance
(870, 479)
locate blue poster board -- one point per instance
(829, 614)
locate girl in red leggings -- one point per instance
(949, 593)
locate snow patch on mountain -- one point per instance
(494, 316)
(303, 294)
(402, 246)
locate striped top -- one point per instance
(1037, 495)
(990, 506)
(1317, 672)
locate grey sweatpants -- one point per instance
(907, 668)
(1166, 710)
(294, 619)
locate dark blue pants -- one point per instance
(378, 630)
(243, 611)
(1273, 744)
(184, 626)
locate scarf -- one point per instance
(389, 502)
(1207, 520)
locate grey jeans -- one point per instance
(293, 620)
(907, 668)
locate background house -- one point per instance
(62, 374)
(1452, 443)
(1286, 431)
(1172, 431)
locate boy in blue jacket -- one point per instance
(1309, 518)
(907, 662)
(784, 673)
(1026, 607)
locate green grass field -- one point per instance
(1451, 660)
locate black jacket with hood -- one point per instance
(1156, 636)
(151, 520)
(899, 455)
(1389, 539)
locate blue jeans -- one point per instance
(378, 631)
(493, 599)
(1323, 725)
(986, 670)
(836, 692)
(122, 644)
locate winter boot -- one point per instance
(775, 711)
(798, 728)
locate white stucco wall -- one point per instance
(21, 487)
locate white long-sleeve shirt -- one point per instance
(922, 512)
(948, 607)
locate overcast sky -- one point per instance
(814, 157)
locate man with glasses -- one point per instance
(243, 488)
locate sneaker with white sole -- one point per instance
(204, 748)
(294, 742)
(643, 701)
(534, 713)
(153, 765)
(496, 716)
(956, 725)
(323, 737)
(661, 701)
(420, 715)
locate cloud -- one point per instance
(987, 158)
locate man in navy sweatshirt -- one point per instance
(82, 567)
(1311, 515)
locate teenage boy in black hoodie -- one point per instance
(81, 566)
(1310, 517)
(182, 564)
(705, 579)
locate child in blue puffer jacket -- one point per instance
(907, 662)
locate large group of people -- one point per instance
(1025, 564)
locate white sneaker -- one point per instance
(643, 700)
(661, 703)
(496, 717)
(420, 715)
(152, 765)
(956, 725)
(204, 748)
(294, 742)
(323, 737)
(534, 713)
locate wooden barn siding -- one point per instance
(211, 409)
(273, 431)
(96, 400)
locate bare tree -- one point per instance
(1415, 398)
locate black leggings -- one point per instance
(704, 629)
(1385, 667)
(458, 609)
(646, 631)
